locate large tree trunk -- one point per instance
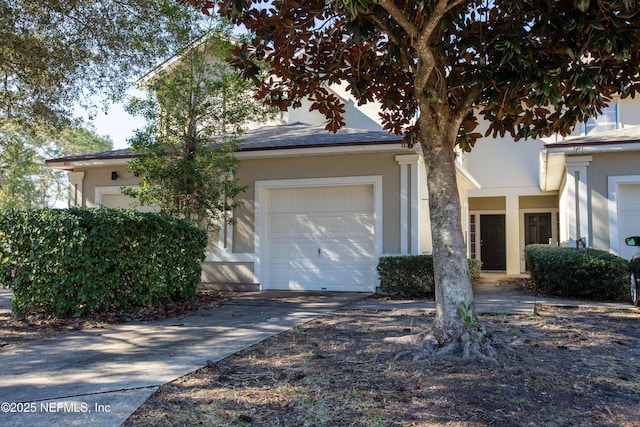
(455, 312)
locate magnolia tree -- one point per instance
(528, 67)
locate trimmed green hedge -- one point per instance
(578, 273)
(411, 276)
(77, 261)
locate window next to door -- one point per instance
(472, 237)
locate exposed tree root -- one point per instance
(474, 342)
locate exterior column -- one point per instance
(76, 180)
(512, 233)
(409, 203)
(577, 200)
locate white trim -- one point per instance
(404, 225)
(71, 164)
(260, 214)
(613, 183)
(409, 203)
(415, 206)
(584, 147)
(107, 190)
(577, 191)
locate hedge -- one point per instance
(70, 262)
(578, 273)
(411, 276)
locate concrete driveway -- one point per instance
(99, 377)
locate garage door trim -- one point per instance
(261, 213)
(614, 182)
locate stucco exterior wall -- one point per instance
(251, 170)
(101, 177)
(601, 167)
(504, 164)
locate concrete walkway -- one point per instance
(99, 377)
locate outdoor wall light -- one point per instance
(114, 175)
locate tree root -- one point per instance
(473, 343)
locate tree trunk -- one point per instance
(455, 312)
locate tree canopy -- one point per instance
(55, 54)
(531, 68)
(24, 182)
(437, 67)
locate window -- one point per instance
(606, 121)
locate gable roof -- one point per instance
(292, 137)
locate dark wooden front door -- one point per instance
(493, 251)
(537, 228)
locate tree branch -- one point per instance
(467, 103)
(399, 16)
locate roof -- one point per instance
(602, 141)
(553, 157)
(302, 135)
(296, 136)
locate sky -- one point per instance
(118, 125)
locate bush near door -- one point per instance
(578, 273)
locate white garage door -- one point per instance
(321, 238)
(628, 216)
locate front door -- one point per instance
(537, 228)
(493, 252)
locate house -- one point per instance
(321, 208)
(319, 211)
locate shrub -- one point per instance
(78, 261)
(578, 273)
(411, 276)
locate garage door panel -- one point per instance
(293, 226)
(321, 238)
(348, 224)
(352, 253)
(290, 250)
(287, 279)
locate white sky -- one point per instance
(118, 125)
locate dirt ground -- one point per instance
(569, 367)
